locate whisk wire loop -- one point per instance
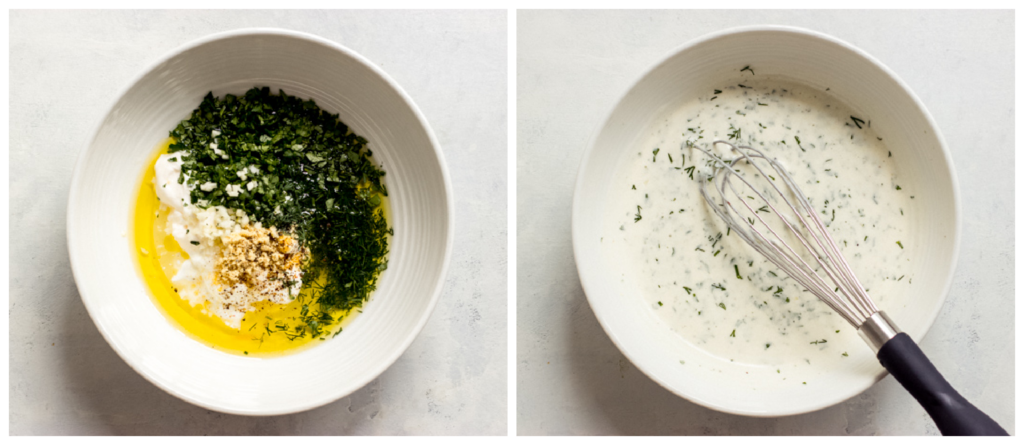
(849, 300)
(804, 274)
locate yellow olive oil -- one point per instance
(159, 257)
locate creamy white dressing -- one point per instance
(712, 289)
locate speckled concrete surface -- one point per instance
(67, 67)
(573, 65)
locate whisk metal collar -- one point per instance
(877, 330)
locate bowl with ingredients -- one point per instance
(262, 222)
(689, 302)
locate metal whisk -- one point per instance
(815, 251)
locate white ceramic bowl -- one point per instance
(812, 59)
(105, 183)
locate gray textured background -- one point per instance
(66, 68)
(573, 65)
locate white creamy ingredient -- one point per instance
(705, 283)
(198, 232)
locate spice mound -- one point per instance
(257, 264)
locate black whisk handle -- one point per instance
(953, 414)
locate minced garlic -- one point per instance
(257, 264)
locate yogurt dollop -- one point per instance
(198, 231)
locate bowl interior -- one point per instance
(105, 183)
(807, 58)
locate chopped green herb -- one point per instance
(734, 134)
(288, 164)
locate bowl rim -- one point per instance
(577, 221)
(327, 396)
